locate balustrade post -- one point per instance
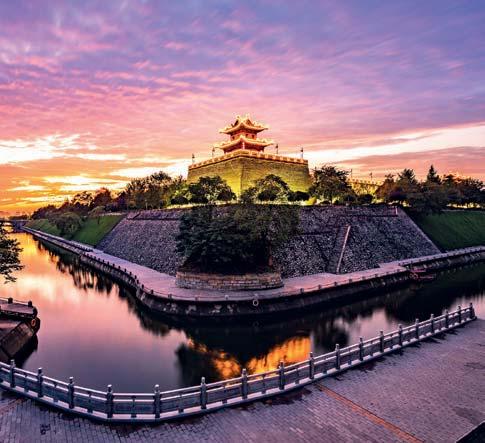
(156, 401)
(361, 349)
(109, 401)
(472, 312)
(459, 314)
(400, 336)
(70, 393)
(12, 373)
(447, 319)
(381, 341)
(337, 356)
(40, 383)
(311, 366)
(416, 328)
(203, 394)
(133, 406)
(244, 384)
(431, 319)
(281, 373)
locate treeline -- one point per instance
(433, 194)
(330, 185)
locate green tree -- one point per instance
(68, 224)
(386, 189)
(434, 192)
(9, 256)
(233, 239)
(330, 183)
(271, 188)
(102, 197)
(210, 190)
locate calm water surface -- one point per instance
(92, 329)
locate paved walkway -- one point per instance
(164, 286)
(432, 392)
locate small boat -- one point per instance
(421, 274)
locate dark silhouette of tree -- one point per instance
(9, 256)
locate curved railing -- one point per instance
(157, 406)
(88, 254)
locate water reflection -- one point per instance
(94, 330)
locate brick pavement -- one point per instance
(434, 391)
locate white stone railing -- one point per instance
(158, 406)
(89, 255)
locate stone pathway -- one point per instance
(164, 286)
(434, 391)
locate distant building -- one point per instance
(361, 186)
(244, 161)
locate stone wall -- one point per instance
(192, 280)
(241, 171)
(376, 235)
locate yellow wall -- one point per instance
(240, 173)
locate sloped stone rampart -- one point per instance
(377, 235)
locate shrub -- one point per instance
(234, 239)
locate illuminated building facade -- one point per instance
(244, 161)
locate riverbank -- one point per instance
(91, 232)
(158, 292)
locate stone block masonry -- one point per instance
(241, 170)
(376, 235)
(221, 282)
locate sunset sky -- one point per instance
(93, 93)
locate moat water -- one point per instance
(92, 328)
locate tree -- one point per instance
(470, 190)
(154, 191)
(330, 183)
(44, 212)
(80, 203)
(68, 224)
(271, 188)
(102, 197)
(210, 190)
(385, 190)
(298, 196)
(234, 239)
(9, 256)
(433, 176)
(365, 199)
(434, 192)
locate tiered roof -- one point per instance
(243, 123)
(243, 133)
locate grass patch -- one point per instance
(454, 229)
(91, 232)
(43, 225)
(94, 229)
